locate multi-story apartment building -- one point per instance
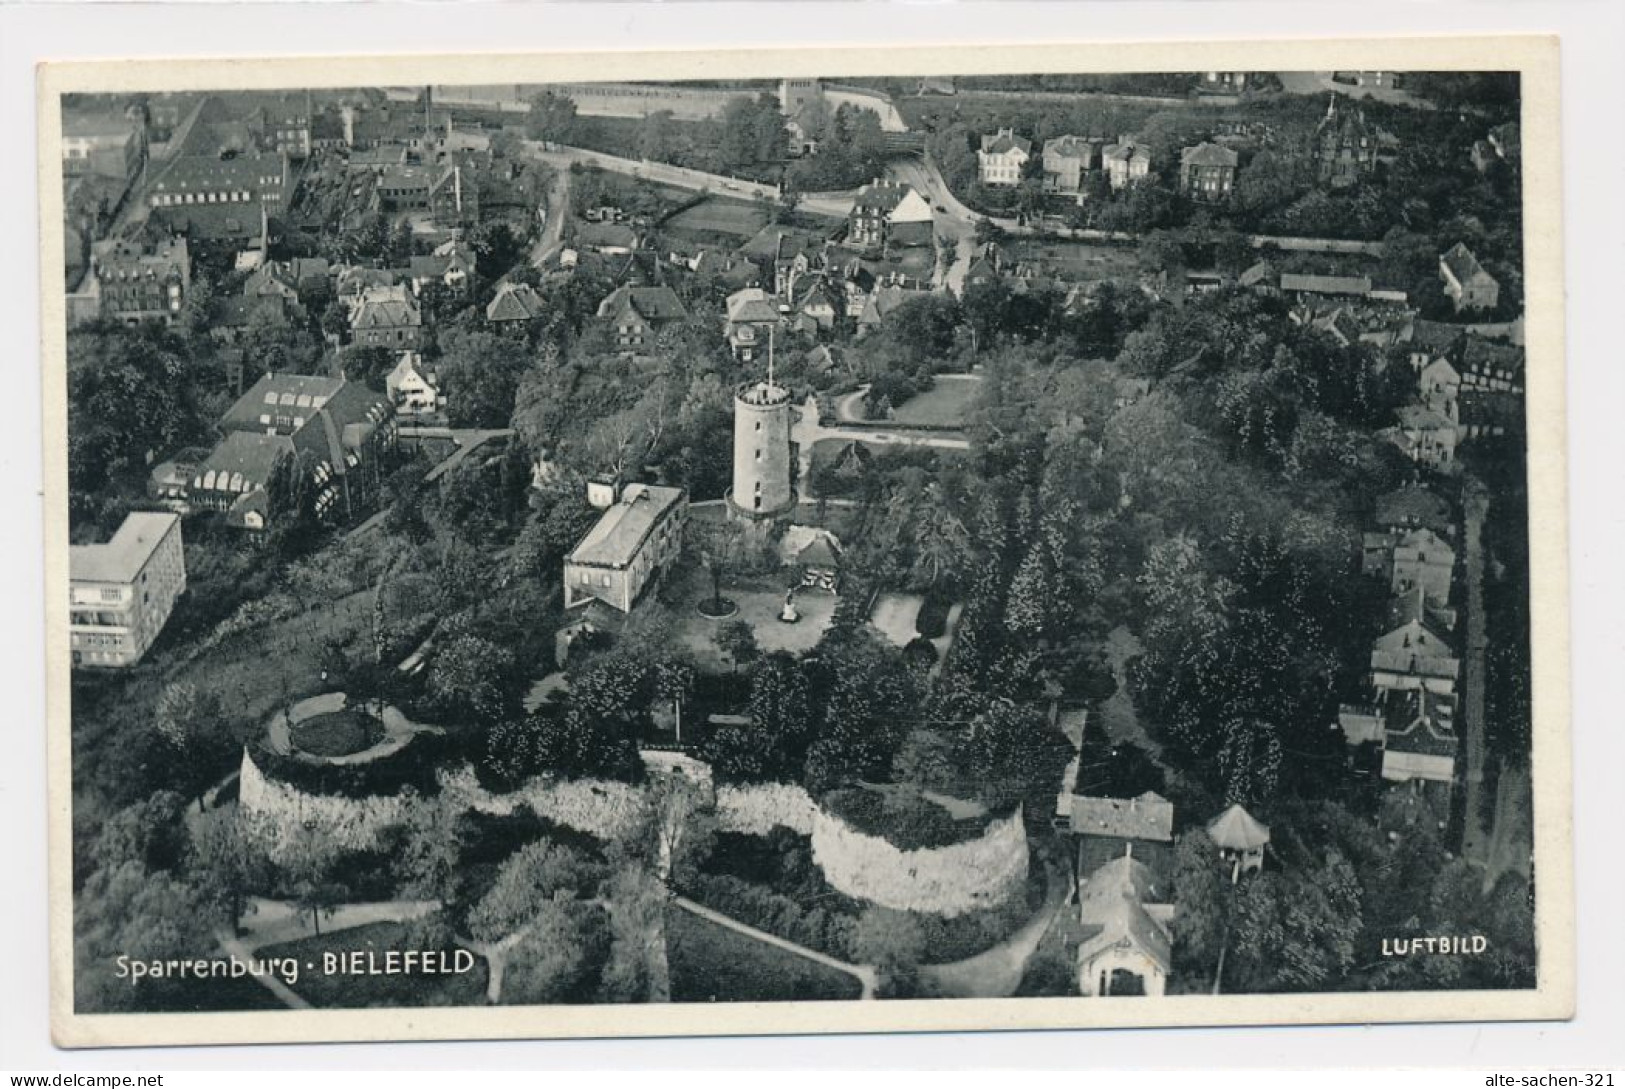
(1207, 171)
(132, 283)
(122, 591)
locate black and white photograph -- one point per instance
(974, 547)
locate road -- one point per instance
(551, 239)
(1475, 838)
(562, 158)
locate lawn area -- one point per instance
(894, 615)
(945, 404)
(719, 216)
(710, 963)
(1077, 261)
(365, 991)
(337, 733)
(759, 602)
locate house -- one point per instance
(1439, 383)
(386, 317)
(1413, 506)
(405, 187)
(1419, 740)
(882, 302)
(1488, 365)
(375, 160)
(339, 431)
(121, 592)
(636, 315)
(282, 123)
(1411, 654)
(454, 194)
(514, 305)
(633, 543)
(132, 283)
(1374, 80)
(1466, 282)
(233, 318)
(817, 304)
(752, 313)
(450, 267)
(1298, 285)
(1240, 838)
(1126, 162)
(288, 279)
(106, 145)
(1222, 83)
(1207, 171)
(1066, 160)
(1125, 914)
(1137, 822)
(170, 478)
(1411, 558)
(1424, 435)
(1420, 560)
(1343, 148)
(1002, 158)
(412, 387)
(873, 220)
(1490, 412)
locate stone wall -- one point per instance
(282, 813)
(949, 881)
(757, 809)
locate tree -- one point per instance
(893, 942)
(192, 725)
(556, 956)
(133, 396)
(310, 866)
(474, 679)
(1202, 908)
(227, 863)
(552, 118)
(736, 640)
(635, 968)
(429, 848)
(533, 878)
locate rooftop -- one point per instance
(121, 558)
(615, 540)
(1149, 816)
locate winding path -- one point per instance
(997, 972)
(865, 974)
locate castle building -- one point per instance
(764, 461)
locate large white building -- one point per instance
(635, 540)
(122, 591)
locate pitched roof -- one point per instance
(192, 173)
(385, 308)
(1436, 335)
(1420, 721)
(1070, 147)
(1462, 263)
(652, 304)
(615, 539)
(1238, 830)
(1325, 285)
(911, 209)
(1478, 353)
(122, 557)
(1149, 816)
(1127, 152)
(1113, 908)
(1005, 141)
(1413, 505)
(1206, 154)
(752, 304)
(514, 302)
(251, 454)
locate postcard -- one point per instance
(806, 541)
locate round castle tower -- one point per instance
(764, 472)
